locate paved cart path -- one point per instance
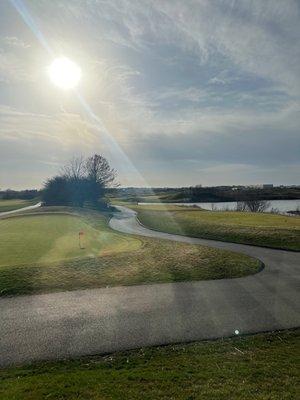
(93, 321)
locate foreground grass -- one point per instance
(261, 229)
(260, 367)
(15, 204)
(40, 253)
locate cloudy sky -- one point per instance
(172, 92)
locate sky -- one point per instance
(173, 93)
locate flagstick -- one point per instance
(80, 234)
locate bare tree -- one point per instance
(257, 205)
(213, 207)
(75, 168)
(98, 170)
(241, 206)
(81, 181)
(100, 176)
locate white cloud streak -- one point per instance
(204, 71)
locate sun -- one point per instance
(64, 73)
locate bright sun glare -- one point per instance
(64, 73)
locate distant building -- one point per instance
(267, 186)
(261, 186)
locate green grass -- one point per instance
(40, 253)
(15, 204)
(47, 238)
(258, 367)
(261, 229)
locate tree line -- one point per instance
(10, 194)
(237, 193)
(81, 181)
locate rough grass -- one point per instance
(15, 204)
(261, 229)
(258, 367)
(40, 253)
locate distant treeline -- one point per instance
(184, 194)
(240, 193)
(206, 194)
(19, 194)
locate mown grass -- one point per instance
(261, 229)
(260, 367)
(42, 239)
(15, 204)
(40, 253)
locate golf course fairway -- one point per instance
(259, 229)
(40, 252)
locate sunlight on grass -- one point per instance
(262, 366)
(48, 238)
(40, 253)
(260, 229)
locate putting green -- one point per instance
(49, 238)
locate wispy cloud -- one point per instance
(27, 139)
(197, 82)
(13, 41)
(15, 60)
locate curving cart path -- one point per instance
(95, 321)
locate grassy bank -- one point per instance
(40, 253)
(261, 229)
(256, 367)
(15, 204)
